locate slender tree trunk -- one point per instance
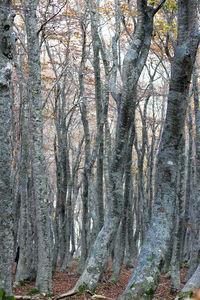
(131, 246)
(23, 186)
(44, 270)
(188, 190)
(85, 228)
(195, 253)
(93, 6)
(32, 245)
(24, 167)
(57, 215)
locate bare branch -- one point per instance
(159, 7)
(47, 21)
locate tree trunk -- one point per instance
(24, 167)
(144, 279)
(188, 189)
(23, 186)
(134, 61)
(178, 232)
(120, 246)
(6, 219)
(44, 270)
(193, 282)
(195, 239)
(32, 245)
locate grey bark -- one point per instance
(24, 167)
(85, 209)
(17, 119)
(131, 238)
(195, 253)
(193, 282)
(32, 245)
(57, 215)
(152, 126)
(120, 245)
(63, 177)
(61, 235)
(143, 213)
(188, 190)
(145, 277)
(23, 187)
(93, 7)
(7, 41)
(132, 67)
(179, 217)
(88, 203)
(85, 229)
(69, 214)
(44, 268)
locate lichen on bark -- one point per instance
(6, 214)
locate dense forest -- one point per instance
(99, 142)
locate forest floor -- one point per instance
(65, 281)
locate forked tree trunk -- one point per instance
(6, 214)
(134, 61)
(145, 277)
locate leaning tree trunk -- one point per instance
(6, 217)
(134, 61)
(193, 282)
(44, 271)
(144, 279)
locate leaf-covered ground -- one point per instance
(65, 281)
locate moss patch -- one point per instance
(9, 298)
(149, 292)
(4, 297)
(31, 292)
(82, 288)
(2, 294)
